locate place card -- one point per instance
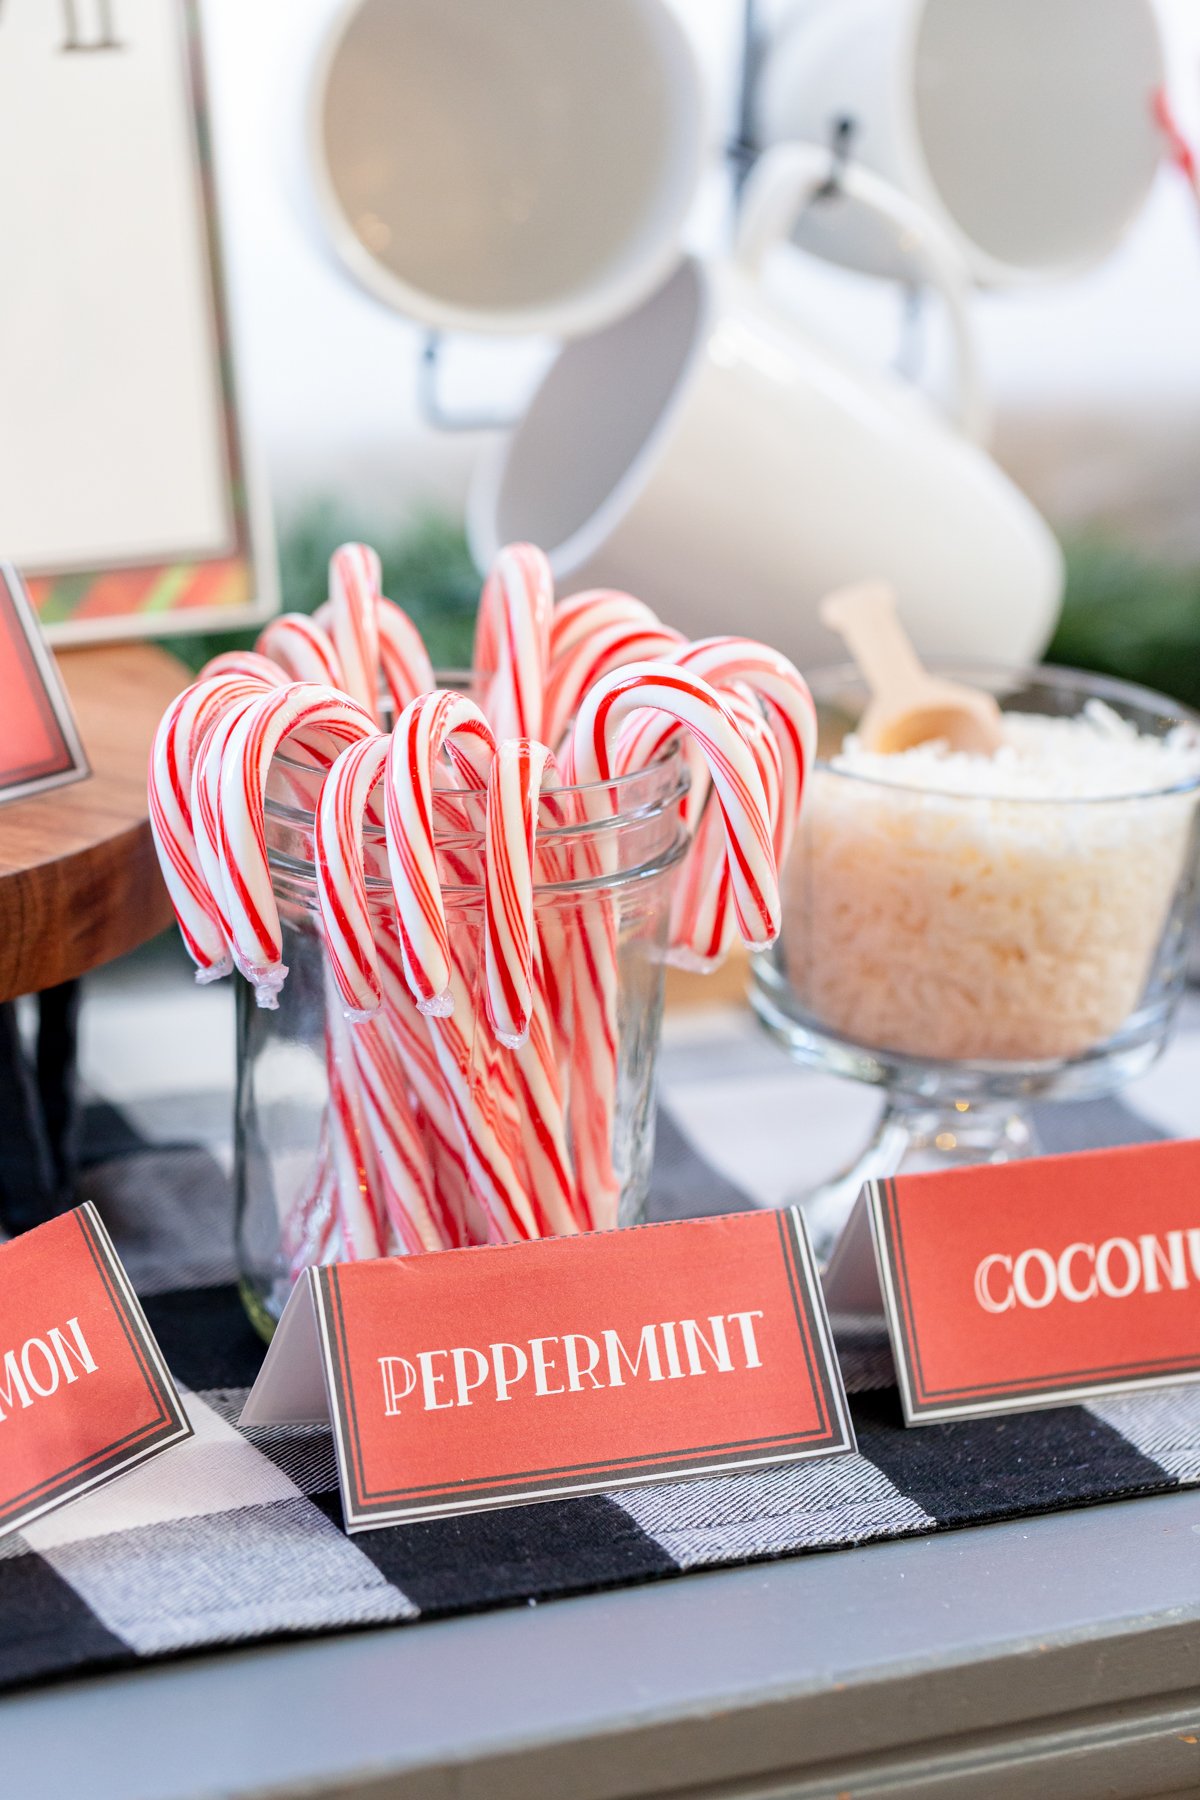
(479, 1378)
(39, 745)
(84, 1391)
(1031, 1283)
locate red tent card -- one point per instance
(1031, 1283)
(479, 1378)
(84, 1391)
(39, 746)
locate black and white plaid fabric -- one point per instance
(235, 1537)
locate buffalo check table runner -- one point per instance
(236, 1537)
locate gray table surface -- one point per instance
(1058, 1656)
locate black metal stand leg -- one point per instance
(38, 1112)
(57, 1049)
(26, 1167)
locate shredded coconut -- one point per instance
(1004, 908)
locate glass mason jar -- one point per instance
(318, 1097)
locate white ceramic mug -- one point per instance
(522, 166)
(1025, 127)
(708, 455)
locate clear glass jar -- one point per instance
(605, 861)
(970, 952)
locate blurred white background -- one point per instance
(1096, 381)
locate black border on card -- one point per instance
(364, 1509)
(928, 1405)
(169, 1424)
(69, 762)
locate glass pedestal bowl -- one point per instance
(970, 953)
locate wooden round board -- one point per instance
(79, 882)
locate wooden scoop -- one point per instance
(908, 705)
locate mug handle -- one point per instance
(789, 177)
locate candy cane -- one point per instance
(580, 616)
(541, 1092)
(724, 661)
(585, 1010)
(514, 786)
(737, 783)
(341, 881)
(702, 920)
(597, 654)
(179, 740)
(464, 1097)
(701, 924)
(319, 718)
(426, 725)
(349, 930)
(479, 1114)
(205, 803)
(404, 660)
(244, 664)
(464, 1219)
(402, 1164)
(302, 649)
(354, 586)
(486, 1105)
(745, 812)
(512, 640)
(353, 1146)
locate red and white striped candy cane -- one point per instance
(599, 752)
(350, 934)
(512, 640)
(581, 615)
(345, 912)
(701, 926)
(354, 588)
(404, 660)
(353, 1146)
(463, 1216)
(302, 648)
(778, 683)
(323, 721)
(465, 1104)
(540, 1084)
(702, 918)
(517, 1005)
(354, 961)
(514, 788)
(426, 726)
(206, 806)
(646, 736)
(478, 1080)
(401, 1163)
(247, 664)
(404, 665)
(453, 1075)
(737, 783)
(178, 742)
(580, 667)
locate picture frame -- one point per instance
(129, 495)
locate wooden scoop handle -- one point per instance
(865, 617)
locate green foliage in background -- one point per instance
(427, 570)
(1125, 615)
